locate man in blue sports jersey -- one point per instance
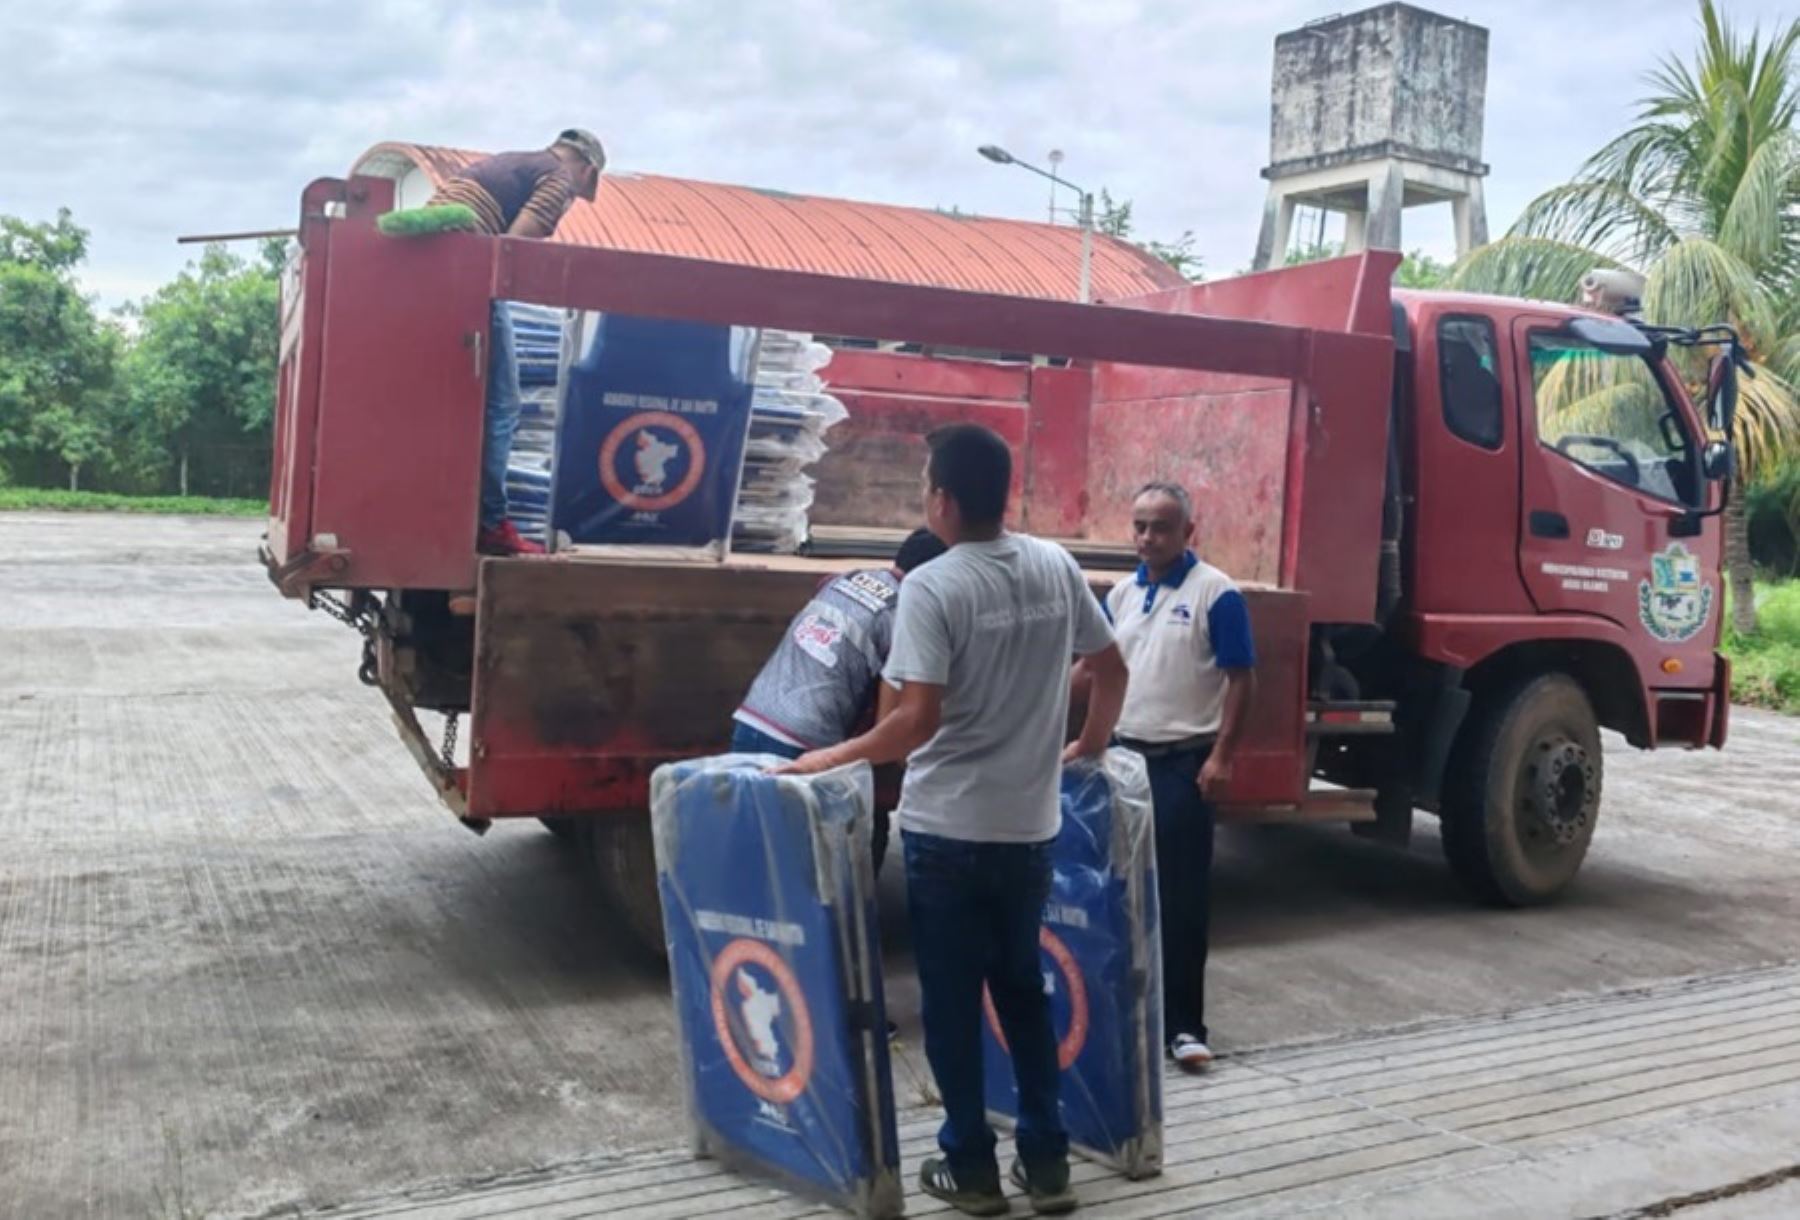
(1184, 630)
(816, 687)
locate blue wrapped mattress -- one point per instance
(1102, 963)
(768, 892)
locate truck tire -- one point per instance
(623, 855)
(1523, 791)
(562, 828)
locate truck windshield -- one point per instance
(1612, 415)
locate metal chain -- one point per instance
(363, 614)
(450, 740)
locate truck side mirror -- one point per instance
(1719, 460)
(1722, 391)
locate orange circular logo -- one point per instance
(1069, 1049)
(774, 1058)
(660, 441)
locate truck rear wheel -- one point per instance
(1523, 792)
(623, 854)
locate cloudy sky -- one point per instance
(152, 118)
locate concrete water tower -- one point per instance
(1373, 113)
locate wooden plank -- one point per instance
(1455, 1040)
(1667, 1094)
(1520, 1069)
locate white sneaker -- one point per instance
(1189, 1053)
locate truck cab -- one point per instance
(1560, 556)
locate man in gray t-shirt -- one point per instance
(983, 641)
(994, 623)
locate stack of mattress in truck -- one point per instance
(789, 418)
(537, 339)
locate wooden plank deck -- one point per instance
(1578, 1108)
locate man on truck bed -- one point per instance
(517, 194)
(1185, 632)
(982, 647)
(815, 687)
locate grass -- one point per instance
(19, 499)
(1765, 668)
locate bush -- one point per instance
(1765, 668)
(43, 499)
(1774, 509)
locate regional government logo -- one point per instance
(761, 1019)
(652, 461)
(1063, 974)
(1675, 602)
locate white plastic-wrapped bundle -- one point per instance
(538, 342)
(1102, 959)
(790, 414)
(768, 895)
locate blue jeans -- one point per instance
(1184, 853)
(746, 740)
(501, 419)
(976, 911)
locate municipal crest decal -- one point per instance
(1675, 602)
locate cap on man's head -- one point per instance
(587, 144)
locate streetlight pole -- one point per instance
(1085, 216)
(1087, 247)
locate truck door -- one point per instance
(1608, 477)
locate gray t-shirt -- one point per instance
(995, 624)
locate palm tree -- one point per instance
(1702, 197)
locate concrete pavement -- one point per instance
(248, 963)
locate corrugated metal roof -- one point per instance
(766, 228)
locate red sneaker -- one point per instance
(505, 539)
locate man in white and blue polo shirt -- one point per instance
(1184, 630)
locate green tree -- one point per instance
(1419, 270)
(202, 371)
(1416, 270)
(56, 358)
(1702, 197)
(1113, 218)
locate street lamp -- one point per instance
(1085, 217)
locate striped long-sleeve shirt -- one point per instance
(504, 189)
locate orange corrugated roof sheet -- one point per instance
(764, 228)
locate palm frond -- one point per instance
(1784, 356)
(1699, 283)
(1759, 221)
(1647, 160)
(1536, 268)
(1600, 215)
(1625, 411)
(1768, 423)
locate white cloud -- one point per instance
(152, 118)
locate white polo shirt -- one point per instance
(1178, 635)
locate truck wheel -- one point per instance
(1523, 792)
(623, 855)
(562, 828)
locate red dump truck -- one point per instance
(1473, 531)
